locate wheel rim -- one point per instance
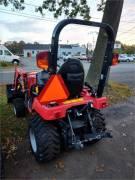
(15, 62)
(33, 141)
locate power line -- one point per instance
(39, 18)
(122, 21)
(45, 19)
(26, 15)
(121, 33)
(29, 4)
(129, 39)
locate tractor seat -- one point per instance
(72, 73)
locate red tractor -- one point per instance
(65, 111)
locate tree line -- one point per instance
(17, 47)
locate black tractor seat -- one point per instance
(72, 72)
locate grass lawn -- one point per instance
(4, 64)
(117, 92)
(14, 130)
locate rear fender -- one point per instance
(48, 112)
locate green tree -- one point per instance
(127, 49)
(35, 42)
(71, 8)
(15, 47)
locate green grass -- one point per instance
(4, 64)
(13, 130)
(117, 92)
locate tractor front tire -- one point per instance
(19, 107)
(9, 93)
(44, 140)
(15, 61)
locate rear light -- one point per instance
(42, 59)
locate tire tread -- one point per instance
(47, 138)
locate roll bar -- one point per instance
(108, 54)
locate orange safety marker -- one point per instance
(115, 60)
(42, 59)
(54, 91)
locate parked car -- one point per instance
(126, 58)
(133, 56)
(82, 57)
(8, 56)
(123, 58)
(130, 58)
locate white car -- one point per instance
(80, 57)
(130, 58)
(123, 58)
(133, 55)
(7, 56)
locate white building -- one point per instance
(117, 45)
(31, 50)
(78, 50)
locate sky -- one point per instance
(30, 26)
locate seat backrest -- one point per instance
(72, 73)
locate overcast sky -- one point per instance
(38, 28)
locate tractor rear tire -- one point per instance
(19, 107)
(44, 140)
(98, 122)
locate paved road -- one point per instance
(7, 75)
(123, 73)
(110, 159)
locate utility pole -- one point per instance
(93, 33)
(112, 14)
